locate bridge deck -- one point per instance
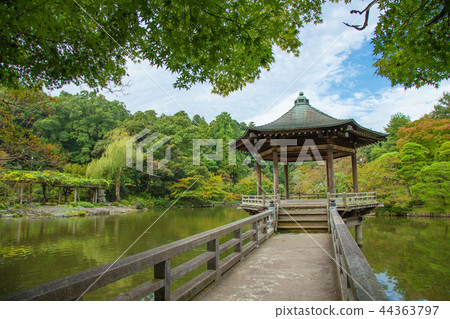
(286, 267)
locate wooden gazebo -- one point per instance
(306, 134)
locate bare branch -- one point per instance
(366, 20)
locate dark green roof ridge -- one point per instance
(303, 115)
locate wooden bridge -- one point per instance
(308, 212)
(244, 260)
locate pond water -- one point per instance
(410, 257)
(36, 251)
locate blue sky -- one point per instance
(334, 71)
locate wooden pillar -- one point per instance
(213, 264)
(44, 190)
(359, 234)
(31, 193)
(330, 171)
(238, 246)
(258, 176)
(355, 173)
(162, 271)
(21, 194)
(275, 171)
(286, 179)
(75, 195)
(96, 196)
(59, 195)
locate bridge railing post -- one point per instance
(265, 228)
(344, 197)
(238, 247)
(213, 264)
(264, 199)
(255, 236)
(162, 271)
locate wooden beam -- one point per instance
(162, 271)
(286, 180)
(343, 149)
(291, 149)
(258, 176)
(355, 173)
(359, 235)
(44, 192)
(21, 194)
(330, 171)
(275, 171)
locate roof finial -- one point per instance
(301, 99)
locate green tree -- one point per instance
(382, 175)
(443, 154)
(434, 187)
(430, 133)
(377, 150)
(200, 190)
(79, 121)
(411, 42)
(224, 127)
(113, 161)
(248, 185)
(225, 43)
(397, 120)
(20, 147)
(442, 108)
(413, 158)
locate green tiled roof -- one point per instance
(302, 115)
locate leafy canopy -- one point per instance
(225, 43)
(79, 121)
(411, 42)
(19, 145)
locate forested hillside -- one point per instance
(85, 135)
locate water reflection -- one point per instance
(410, 257)
(36, 251)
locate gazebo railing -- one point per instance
(353, 199)
(342, 199)
(305, 196)
(258, 200)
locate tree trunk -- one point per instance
(118, 186)
(44, 190)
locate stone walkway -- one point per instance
(286, 267)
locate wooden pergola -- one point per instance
(306, 134)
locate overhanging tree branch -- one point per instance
(366, 20)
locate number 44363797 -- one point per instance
(409, 310)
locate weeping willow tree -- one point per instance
(113, 160)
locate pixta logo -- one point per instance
(135, 150)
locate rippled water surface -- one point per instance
(410, 256)
(36, 251)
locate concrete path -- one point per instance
(286, 267)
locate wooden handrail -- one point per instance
(357, 280)
(346, 200)
(72, 287)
